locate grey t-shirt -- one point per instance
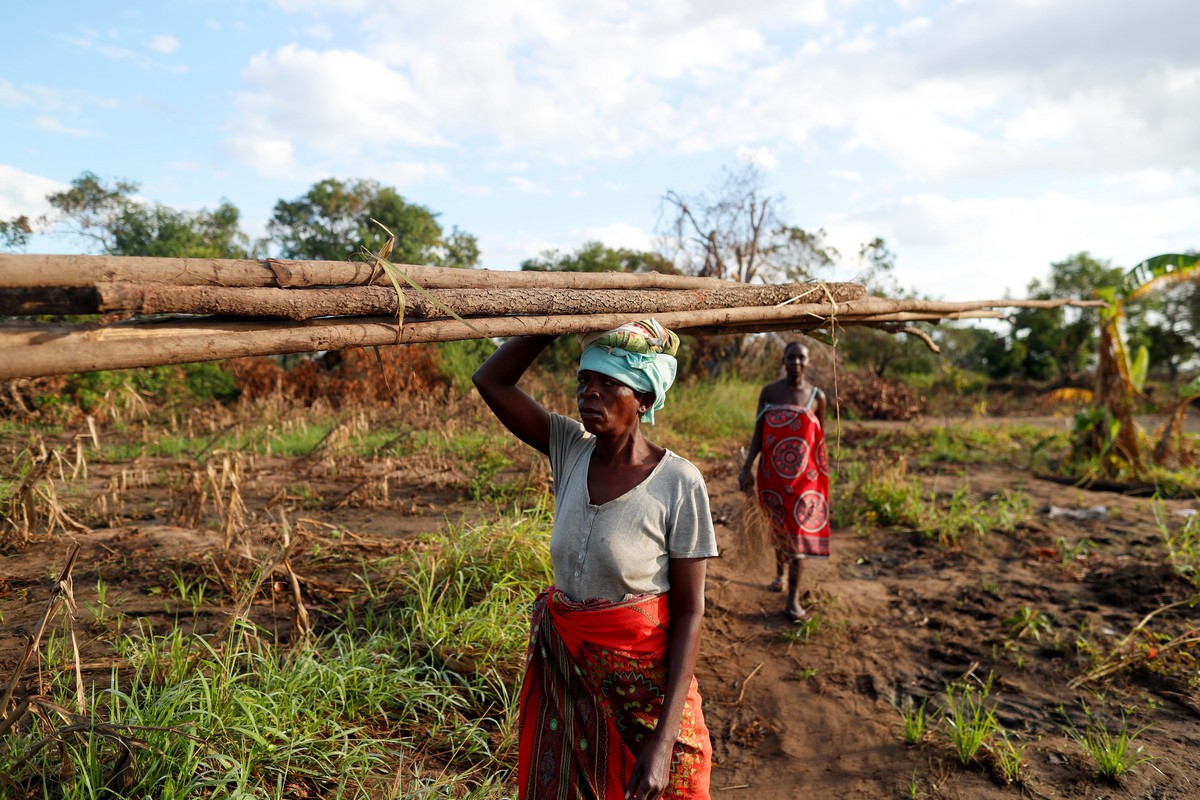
(622, 547)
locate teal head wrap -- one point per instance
(640, 355)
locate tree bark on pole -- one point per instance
(301, 304)
(36, 271)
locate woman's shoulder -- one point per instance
(680, 469)
(774, 392)
(566, 426)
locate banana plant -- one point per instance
(1120, 378)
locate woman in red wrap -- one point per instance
(793, 474)
(609, 707)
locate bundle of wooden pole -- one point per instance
(173, 310)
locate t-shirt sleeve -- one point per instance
(692, 534)
(565, 434)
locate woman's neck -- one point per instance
(626, 450)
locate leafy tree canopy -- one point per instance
(597, 257)
(14, 234)
(119, 225)
(333, 220)
(1061, 343)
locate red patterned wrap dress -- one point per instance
(793, 480)
(593, 692)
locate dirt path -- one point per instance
(905, 617)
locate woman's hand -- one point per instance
(652, 770)
(745, 479)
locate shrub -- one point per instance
(872, 397)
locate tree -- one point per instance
(333, 220)
(597, 257)
(118, 225)
(1108, 432)
(736, 232)
(740, 234)
(976, 349)
(881, 350)
(1167, 324)
(1061, 343)
(14, 234)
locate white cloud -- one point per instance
(970, 89)
(333, 101)
(55, 125)
(761, 157)
(111, 49)
(164, 43)
(404, 174)
(526, 186)
(11, 96)
(23, 194)
(267, 156)
(501, 253)
(617, 235)
(978, 248)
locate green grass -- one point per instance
(698, 414)
(965, 443)
(968, 722)
(422, 670)
(1028, 622)
(887, 496)
(915, 721)
(1182, 544)
(1112, 753)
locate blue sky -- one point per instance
(982, 139)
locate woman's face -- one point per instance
(795, 360)
(606, 406)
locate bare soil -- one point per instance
(901, 617)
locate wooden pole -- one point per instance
(358, 301)
(32, 351)
(37, 271)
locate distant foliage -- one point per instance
(872, 397)
(457, 361)
(104, 395)
(357, 375)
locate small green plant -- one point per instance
(915, 720)
(914, 786)
(1183, 545)
(806, 673)
(1028, 622)
(804, 629)
(101, 608)
(1071, 553)
(970, 724)
(1113, 754)
(189, 591)
(1009, 758)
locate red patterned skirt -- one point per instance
(594, 686)
(793, 481)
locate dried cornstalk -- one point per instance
(61, 589)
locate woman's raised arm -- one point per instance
(497, 378)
